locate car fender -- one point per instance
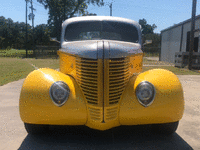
(37, 107)
(168, 105)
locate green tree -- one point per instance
(13, 34)
(2, 26)
(1, 42)
(89, 14)
(6, 31)
(148, 34)
(154, 47)
(146, 28)
(155, 37)
(42, 34)
(60, 10)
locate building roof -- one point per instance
(179, 24)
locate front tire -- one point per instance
(36, 128)
(166, 128)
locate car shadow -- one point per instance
(123, 137)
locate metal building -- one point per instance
(177, 39)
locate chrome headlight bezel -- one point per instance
(59, 93)
(150, 91)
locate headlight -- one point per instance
(59, 93)
(145, 93)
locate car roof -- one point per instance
(100, 18)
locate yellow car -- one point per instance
(99, 83)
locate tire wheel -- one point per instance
(36, 128)
(166, 128)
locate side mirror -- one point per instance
(54, 39)
(147, 42)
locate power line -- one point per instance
(38, 10)
(38, 4)
(154, 8)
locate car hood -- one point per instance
(101, 49)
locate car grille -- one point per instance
(111, 113)
(102, 86)
(95, 113)
(118, 77)
(87, 75)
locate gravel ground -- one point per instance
(13, 135)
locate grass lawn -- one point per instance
(14, 53)
(170, 67)
(154, 62)
(151, 54)
(175, 70)
(13, 69)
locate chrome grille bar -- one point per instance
(90, 78)
(118, 77)
(87, 75)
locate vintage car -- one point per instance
(100, 83)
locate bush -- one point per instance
(8, 48)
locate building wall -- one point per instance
(171, 40)
(165, 46)
(186, 28)
(170, 44)
(197, 33)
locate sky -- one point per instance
(162, 13)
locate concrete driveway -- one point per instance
(13, 135)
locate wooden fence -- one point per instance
(46, 51)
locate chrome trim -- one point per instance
(154, 93)
(93, 49)
(100, 49)
(59, 105)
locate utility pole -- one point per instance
(110, 9)
(26, 30)
(64, 10)
(192, 33)
(32, 17)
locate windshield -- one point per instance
(97, 30)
